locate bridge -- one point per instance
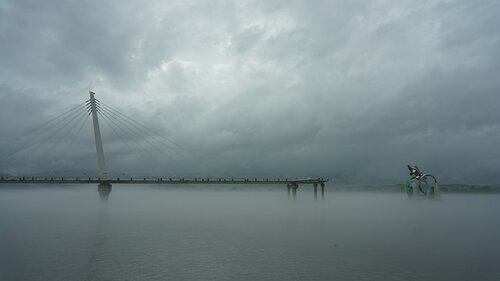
(95, 108)
(292, 184)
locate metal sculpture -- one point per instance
(421, 184)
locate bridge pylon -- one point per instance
(104, 186)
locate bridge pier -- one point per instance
(104, 189)
(292, 188)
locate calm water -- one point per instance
(192, 233)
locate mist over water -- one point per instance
(233, 233)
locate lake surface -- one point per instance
(223, 233)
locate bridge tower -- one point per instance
(104, 187)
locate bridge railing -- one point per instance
(162, 180)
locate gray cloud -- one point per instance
(349, 89)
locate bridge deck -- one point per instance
(161, 181)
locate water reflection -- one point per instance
(219, 233)
(98, 239)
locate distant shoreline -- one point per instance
(444, 188)
(330, 187)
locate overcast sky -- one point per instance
(352, 90)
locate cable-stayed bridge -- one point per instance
(123, 127)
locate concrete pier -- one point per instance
(104, 189)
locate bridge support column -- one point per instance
(315, 190)
(294, 187)
(288, 186)
(322, 190)
(104, 189)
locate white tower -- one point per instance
(101, 164)
(104, 186)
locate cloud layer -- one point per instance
(353, 90)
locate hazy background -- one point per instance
(353, 90)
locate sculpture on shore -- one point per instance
(421, 184)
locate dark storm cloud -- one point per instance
(350, 89)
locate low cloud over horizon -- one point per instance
(353, 90)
